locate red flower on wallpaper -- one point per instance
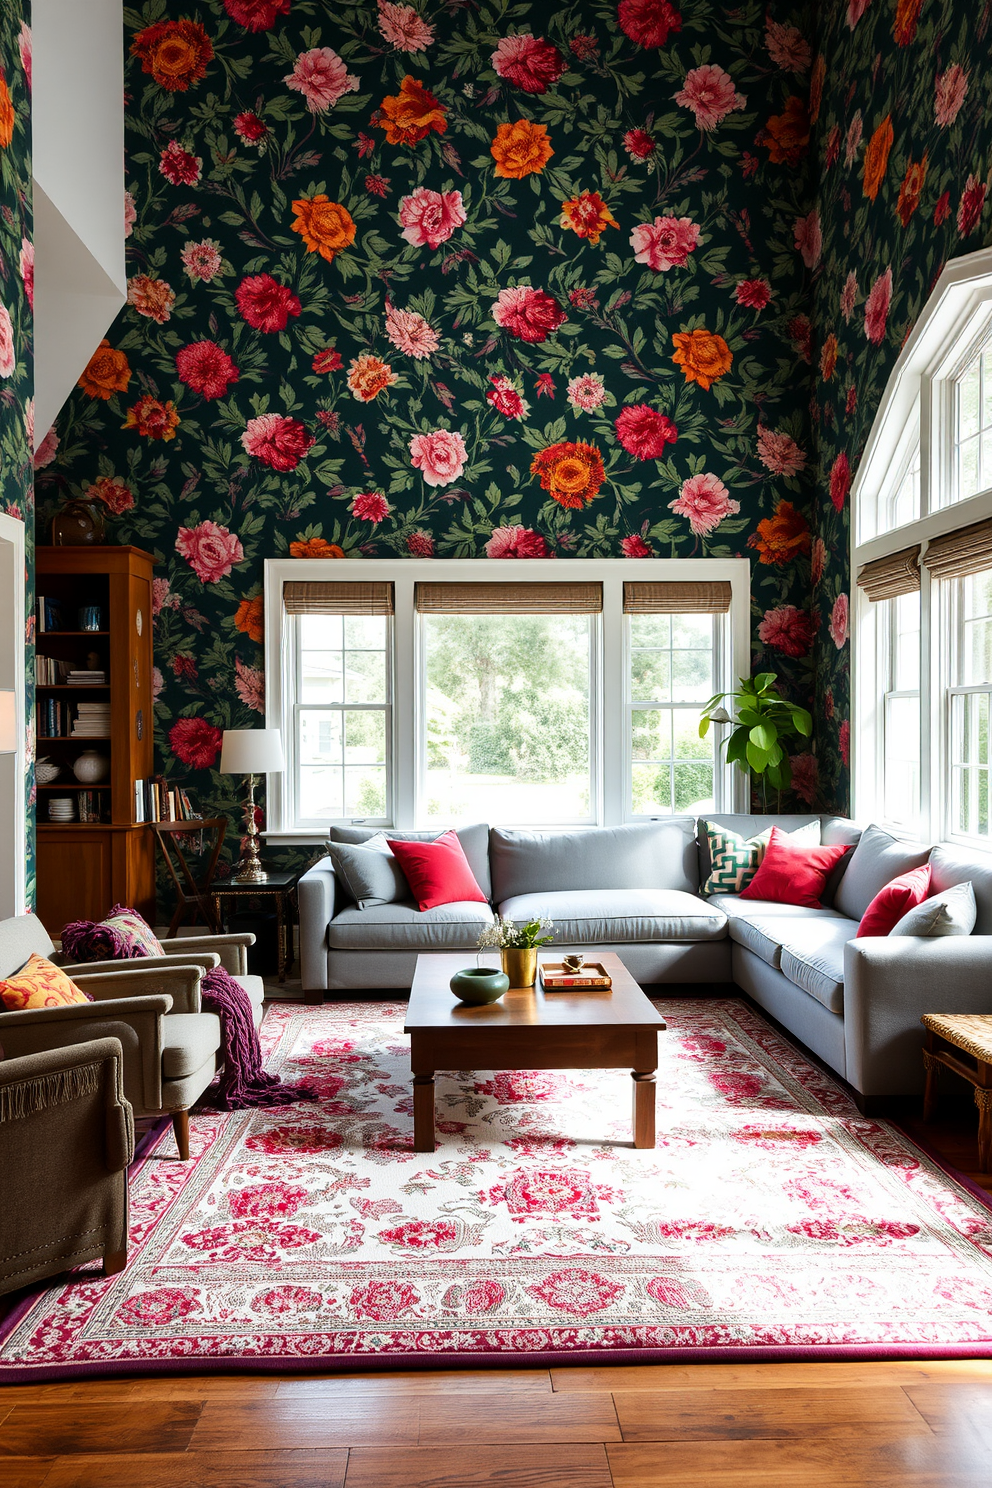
(411, 114)
(644, 432)
(115, 495)
(370, 506)
(195, 742)
(516, 542)
(805, 776)
(266, 304)
(152, 419)
(428, 218)
(250, 128)
(754, 294)
(506, 399)
(788, 630)
(210, 551)
(420, 544)
(639, 144)
(664, 243)
(179, 166)
(206, 368)
(840, 480)
(705, 501)
(328, 360)
(256, 15)
(530, 314)
(528, 62)
(184, 667)
(176, 53)
(648, 23)
(276, 440)
(635, 547)
(972, 204)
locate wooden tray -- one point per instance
(593, 977)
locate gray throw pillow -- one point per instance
(878, 858)
(369, 873)
(951, 913)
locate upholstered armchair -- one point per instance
(171, 1047)
(66, 1138)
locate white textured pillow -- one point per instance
(952, 912)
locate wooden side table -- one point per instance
(278, 886)
(949, 1037)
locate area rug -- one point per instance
(771, 1221)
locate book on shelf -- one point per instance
(156, 801)
(49, 614)
(87, 678)
(49, 671)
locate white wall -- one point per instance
(78, 167)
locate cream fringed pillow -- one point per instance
(734, 860)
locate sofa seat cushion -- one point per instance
(620, 916)
(188, 1041)
(255, 988)
(813, 958)
(404, 927)
(759, 924)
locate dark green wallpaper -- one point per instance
(455, 280)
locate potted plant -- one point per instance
(764, 721)
(517, 946)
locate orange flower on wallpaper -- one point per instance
(828, 358)
(176, 53)
(911, 189)
(325, 226)
(816, 78)
(571, 473)
(904, 25)
(587, 215)
(520, 149)
(106, 373)
(787, 134)
(250, 617)
(368, 376)
(152, 418)
(314, 547)
(703, 356)
(411, 114)
(877, 157)
(781, 537)
(6, 114)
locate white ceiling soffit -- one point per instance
(962, 293)
(78, 167)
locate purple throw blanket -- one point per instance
(243, 1082)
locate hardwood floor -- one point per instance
(906, 1424)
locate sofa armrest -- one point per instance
(889, 983)
(135, 1021)
(229, 951)
(181, 984)
(316, 894)
(26, 1081)
(204, 959)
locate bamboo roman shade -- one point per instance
(693, 598)
(509, 599)
(958, 554)
(337, 599)
(888, 577)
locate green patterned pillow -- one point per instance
(734, 859)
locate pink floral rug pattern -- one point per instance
(770, 1218)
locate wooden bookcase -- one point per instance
(86, 867)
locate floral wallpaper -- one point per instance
(16, 304)
(901, 100)
(454, 280)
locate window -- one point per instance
(904, 502)
(973, 429)
(901, 709)
(968, 703)
(536, 694)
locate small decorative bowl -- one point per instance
(46, 771)
(477, 985)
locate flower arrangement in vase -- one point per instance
(518, 946)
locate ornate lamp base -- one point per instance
(250, 870)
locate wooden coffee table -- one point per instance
(527, 1029)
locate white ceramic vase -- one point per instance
(91, 767)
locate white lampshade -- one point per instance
(8, 722)
(251, 752)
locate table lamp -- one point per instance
(251, 752)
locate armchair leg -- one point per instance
(180, 1126)
(114, 1261)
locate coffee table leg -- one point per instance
(644, 1090)
(423, 1113)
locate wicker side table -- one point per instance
(949, 1037)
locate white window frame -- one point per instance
(921, 393)
(610, 675)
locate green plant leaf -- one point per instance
(764, 735)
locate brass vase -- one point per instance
(519, 965)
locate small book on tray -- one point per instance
(593, 977)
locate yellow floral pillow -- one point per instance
(39, 984)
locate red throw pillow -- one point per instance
(896, 899)
(438, 872)
(792, 875)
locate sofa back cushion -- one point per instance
(646, 855)
(19, 937)
(474, 840)
(877, 860)
(955, 865)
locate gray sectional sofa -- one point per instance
(635, 890)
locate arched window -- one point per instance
(922, 552)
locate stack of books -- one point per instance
(86, 678)
(50, 672)
(92, 721)
(157, 801)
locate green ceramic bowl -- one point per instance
(478, 985)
